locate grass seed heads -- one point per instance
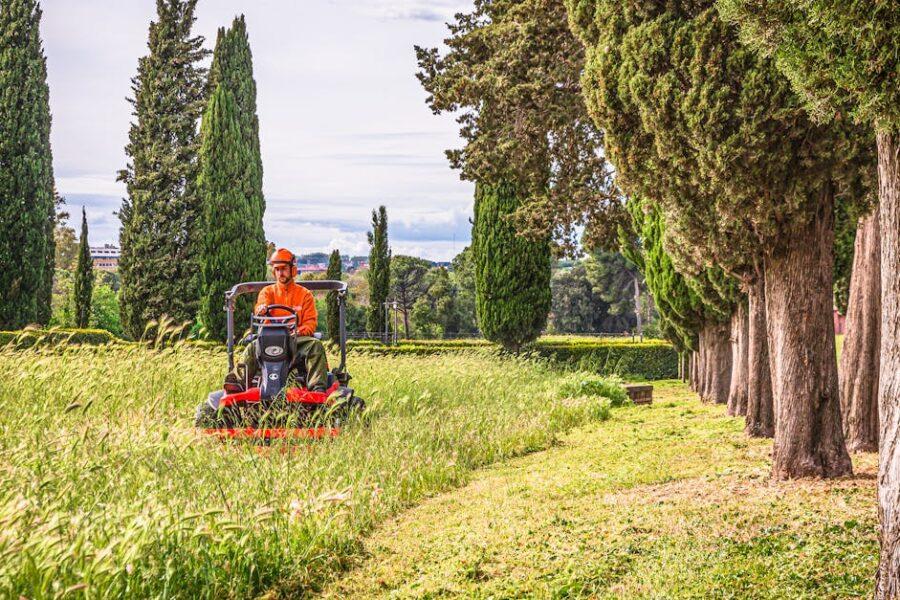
(106, 489)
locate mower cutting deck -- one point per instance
(276, 404)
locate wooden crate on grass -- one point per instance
(640, 393)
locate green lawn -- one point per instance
(668, 501)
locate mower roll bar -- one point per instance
(253, 287)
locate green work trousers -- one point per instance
(304, 348)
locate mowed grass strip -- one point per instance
(106, 489)
(668, 501)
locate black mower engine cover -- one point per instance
(272, 348)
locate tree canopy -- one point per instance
(229, 183)
(332, 304)
(379, 274)
(512, 274)
(82, 287)
(408, 283)
(707, 129)
(511, 71)
(159, 237)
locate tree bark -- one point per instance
(702, 373)
(860, 358)
(888, 579)
(695, 368)
(715, 343)
(737, 393)
(809, 441)
(760, 408)
(637, 307)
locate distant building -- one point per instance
(105, 257)
(314, 268)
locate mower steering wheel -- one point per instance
(270, 307)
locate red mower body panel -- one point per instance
(294, 395)
(250, 401)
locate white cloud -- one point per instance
(415, 10)
(90, 184)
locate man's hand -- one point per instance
(261, 309)
(297, 309)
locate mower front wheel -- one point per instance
(207, 413)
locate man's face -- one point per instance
(282, 272)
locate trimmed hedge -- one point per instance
(29, 337)
(605, 356)
(632, 360)
(462, 344)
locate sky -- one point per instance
(343, 122)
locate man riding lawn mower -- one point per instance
(283, 388)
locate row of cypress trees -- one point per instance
(192, 221)
(27, 195)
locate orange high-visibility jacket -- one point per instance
(292, 295)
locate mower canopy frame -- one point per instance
(251, 287)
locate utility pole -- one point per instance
(396, 323)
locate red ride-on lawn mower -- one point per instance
(276, 403)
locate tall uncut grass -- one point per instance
(106, 490)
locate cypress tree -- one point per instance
(379, 270)
(512, 274)
(680, 309)
(746, 180)
(229, 184)
(82, 288)
(27, 201)
(159, 237)
(333, 316)
(232, 66)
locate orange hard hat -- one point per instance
(284, 256)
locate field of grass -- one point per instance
(668, 501)
(106, 490)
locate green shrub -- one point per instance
(30, 337)
(588, 384)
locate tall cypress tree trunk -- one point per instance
(860, 358)
(809, 441)
(693, 376)
(737, 394)
(637, 307)
(702, 378)
(716, 346)
(760, 409)
(888, 580)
